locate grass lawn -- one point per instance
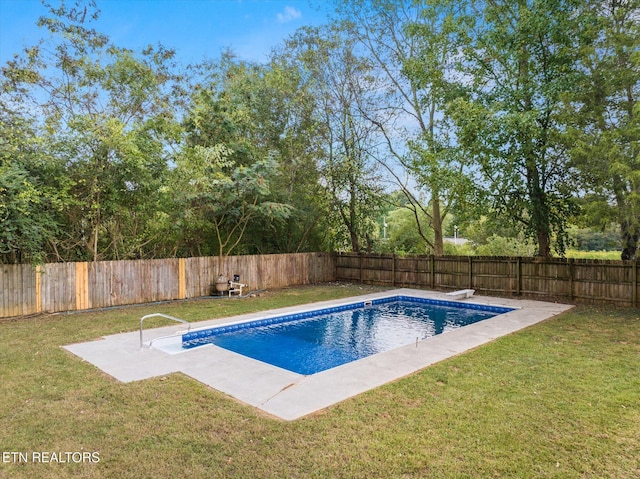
(607, 255)
(560, 399)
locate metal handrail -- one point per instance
(164, 316)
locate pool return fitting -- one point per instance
(164, 316)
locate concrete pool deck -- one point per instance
(288, 395)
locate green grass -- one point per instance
(560, 399)
(608, 255)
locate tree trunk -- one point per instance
(539, 210)
(630, 239)
(353, 216)
(355, 243)
(436, 221)
(544, 243)
(628, 225)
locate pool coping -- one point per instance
(289, 395)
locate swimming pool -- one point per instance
(288, 395)
(312, 341)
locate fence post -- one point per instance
(82, 286)
(634, 293)
(518, 276)
(39, 289)
(571, 272)
(182, 278)
(470, 272)
(432, 272)
(393, 270)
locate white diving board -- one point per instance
(461, 294)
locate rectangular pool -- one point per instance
(313, 341)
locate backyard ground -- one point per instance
(559, 399)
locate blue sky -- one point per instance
(197, 29)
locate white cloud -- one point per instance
(289, 14)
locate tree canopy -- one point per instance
(382, 130)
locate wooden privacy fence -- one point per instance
(590, 281)
(55, 287)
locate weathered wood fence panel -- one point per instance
(58, 281)
(590, 281)
(55, 287)
(114, 283)
(259, 271)
(18, 290)
(25, 289)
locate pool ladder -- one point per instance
(164, 316)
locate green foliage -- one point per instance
(501, 246)
(30, 193)
(258, 112)
(412, 49)
(26, 226)
(602, 255)
(483, 238)
(402, 234)
(106, 114)
(217, 198)
(522, 61)
(604, 134)
(587, 239)
(518, 112)
(466, 249)
(339, 82)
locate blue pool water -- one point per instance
(313, 341)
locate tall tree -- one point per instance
(412, 49)
(522, 62)
(604, 114)
(217, 199)
(258, 112)
(287, 102)
(33, 190)
(339, 81)
(107, 113)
